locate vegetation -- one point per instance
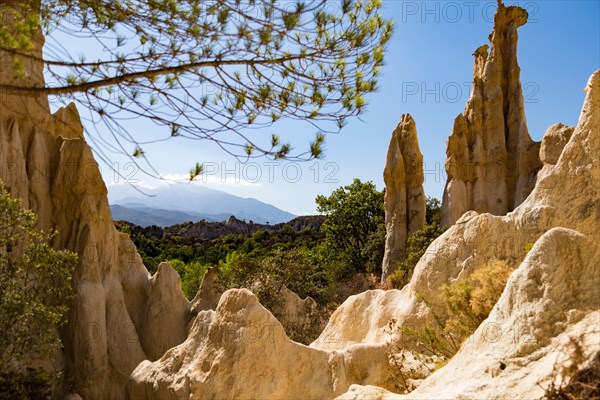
(326, 259)
(469, 301)
(202, 70)
(418, 243)
(33, 383)
(35, 287)
(574, 379)
(354, 229)
(466, 304)
(310, 261)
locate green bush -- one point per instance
(467, 303)
(192, 278)
(298, 270)
(417, 244)
(35, 289)
(416, 247)
(35, 285)
(24, 385)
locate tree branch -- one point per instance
(83, 87)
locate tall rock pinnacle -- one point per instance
(491, 160)
(404, 196)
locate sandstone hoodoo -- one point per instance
(491, 161)
(404, 195)
(120, 315)
(545, 324)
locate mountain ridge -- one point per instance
(175, 204)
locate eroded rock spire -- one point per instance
(491, 161)
(404, 196)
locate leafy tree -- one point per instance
(239, 270)
(433, 211)
(299, 271)
(192, 278)
(202, 69)
(374, 250)
(35, 286)
(354, 214)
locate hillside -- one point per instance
(180, 203)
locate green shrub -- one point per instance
(191, 275)
(467, 303)
(35, 289)
(24, 385)
(192, 278)
(35, 285)
(298, 270)
(239, 270)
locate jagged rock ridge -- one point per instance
(121, 316)
(550, 302)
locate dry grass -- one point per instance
(573, 380)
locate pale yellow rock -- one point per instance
(120, 315)
(491, 161)
(404, 194)
(167, 307)
(554, 294)
(240, 351)
(122, 318)
(555, 139)
(528, 337)
(209, 293)
(292, 310)
(561, 217)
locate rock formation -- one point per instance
(404, 194)
(554, 141)
(535, 331)
(120, 315)
(209, 293)
(550, 300)
(560, 219)
(491, 161)
(240, 351)
(123, 319)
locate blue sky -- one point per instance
(428, 74)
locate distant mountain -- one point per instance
(175, 204)
(145, 216)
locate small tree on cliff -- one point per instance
(203, 70)
(35, 286)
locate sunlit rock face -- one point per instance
(547, 319)
(128, 328)
(491, 161)
(404, 194)
(120, 315)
